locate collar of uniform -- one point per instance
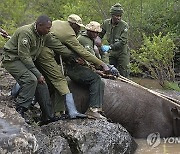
(84, 33)
(110, 23)
(35, 30)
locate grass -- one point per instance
(171, 86)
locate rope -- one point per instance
(170, 99)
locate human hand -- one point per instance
(41, 80)
(105, 48)
(113, 70)
(80, 61)
(99, 72)
(105, 68)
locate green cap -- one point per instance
(116, 9)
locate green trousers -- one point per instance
(29, 87)
(86, 77)
(26, 79)
(120, 60)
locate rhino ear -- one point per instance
(176, 121)
(175, 112)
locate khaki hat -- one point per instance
(75, 19)
(93, 26)
(116, 9)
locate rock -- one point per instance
(14, 135)
(51, 145)
(92, 136)
(80, 136)
(65, 137)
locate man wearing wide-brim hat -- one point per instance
(116, 31)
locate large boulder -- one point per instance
(14, 135)
(92, 136)
(64, 136)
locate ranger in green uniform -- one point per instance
(57, 82)
(66, 32)
(86, 39)
(19, 57)
(116, 34)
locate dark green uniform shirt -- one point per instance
(86, 42)
(26, 44)
(116, 35)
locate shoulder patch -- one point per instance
(87, 47)
(126, 29)
(24, 41)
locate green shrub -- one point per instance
(155, 55)
(171, 86)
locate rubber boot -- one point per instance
(73, 113)
(15, 90)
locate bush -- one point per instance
(156, 55)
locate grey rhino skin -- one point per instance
(138, 110)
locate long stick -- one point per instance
(61, 63)
(170, 99)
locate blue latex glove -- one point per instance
(113, 70)
(105, 48)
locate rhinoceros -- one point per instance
(139, 110)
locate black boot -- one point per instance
(73, 113)
(21, 110)
(44, 100)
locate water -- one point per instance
(163, 148)
(148, 83)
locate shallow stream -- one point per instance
(168, 146)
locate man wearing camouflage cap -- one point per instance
(86, 38)
(116, 33)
